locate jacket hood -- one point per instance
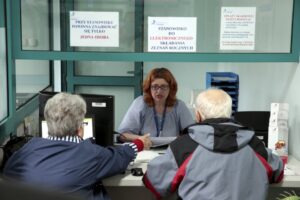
(221, 135)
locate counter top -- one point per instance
(291, 173)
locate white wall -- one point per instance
(293, 97)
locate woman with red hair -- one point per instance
(158, 112)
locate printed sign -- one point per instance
(172, 34)
(237, 31)
(94, 29)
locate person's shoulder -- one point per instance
(182, 139)
(89, 145)
(179, 103)
(89, 142)
(139, 102)
(139, 99)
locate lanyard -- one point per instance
(159, 130)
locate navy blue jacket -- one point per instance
(68, 166)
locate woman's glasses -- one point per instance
(161, 87)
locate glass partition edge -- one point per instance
(104, 80)
(11, 71)
(2, 20)
(296, 29)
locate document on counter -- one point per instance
(146, 156)
(289, 171)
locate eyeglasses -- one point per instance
(157, 87)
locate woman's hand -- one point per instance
(146, 140)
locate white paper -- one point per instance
(146, 156)
(94, 29)
(237, 31)
(172, 34)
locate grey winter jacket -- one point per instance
(217, 159)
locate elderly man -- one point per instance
(217, 159)
(65, 161)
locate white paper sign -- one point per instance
(237, 31)
(172, 34)
(94, 29)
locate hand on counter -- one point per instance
(146, 140)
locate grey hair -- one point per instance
(214, 103)
(64, 114)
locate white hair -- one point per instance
(64, 114)
(214, 103)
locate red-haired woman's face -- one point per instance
(159, 90)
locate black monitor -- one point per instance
(100, 110)
(257, 120)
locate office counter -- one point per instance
(291, 174)
(291, 177)
(127, 179)
(127, 184)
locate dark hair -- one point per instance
(168, 77)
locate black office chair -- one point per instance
(257, 120)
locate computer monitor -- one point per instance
(100, 107)
(257, 120)
(88, 128)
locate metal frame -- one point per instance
(2, 18)
(293, 56)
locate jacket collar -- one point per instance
(67, 138)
